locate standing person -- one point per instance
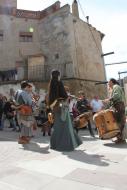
(63, 137)
(4, 98)
(23, 98)
(9, 112)
(96, 104)
(117, 102)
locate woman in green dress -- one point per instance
(64, 137)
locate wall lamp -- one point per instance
(105, 54)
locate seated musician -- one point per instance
(82, 106)
(43, 118)
(117, 102)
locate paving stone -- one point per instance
(62, 184)
(109, 180)
(27, 180)
(95, 165)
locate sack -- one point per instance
(25, 110)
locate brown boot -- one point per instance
(22, 140)
(27, 139)
(119, 140)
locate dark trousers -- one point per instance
(90, 128)
(119, 115)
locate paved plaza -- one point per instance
(95, 165)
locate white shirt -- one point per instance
(96, 105)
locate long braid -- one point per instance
(53, 90)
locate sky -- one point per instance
(107, 16)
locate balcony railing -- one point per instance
(33, 73)
(43, 72)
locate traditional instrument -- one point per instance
(25, 110)
(106, 124)
(81, 121)
(35, 97)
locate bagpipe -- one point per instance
(25, 110)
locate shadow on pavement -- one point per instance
(41, 139)
(34, 147)
(94, 159)
(113, 145)
(85, 135)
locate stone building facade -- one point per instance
(58, 38)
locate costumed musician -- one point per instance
(117, 102)
(25, 116)
(83, 106)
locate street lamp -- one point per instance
(105, 54)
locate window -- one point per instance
(26, 37)
(1, 35)
(56, 56)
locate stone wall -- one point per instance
(67, 43)
(86, 50)
(11, 49)
(75, 85)
(8, 3)
(55, 43)
(11, 25)
(73, 47)
(89, 88)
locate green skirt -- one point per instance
(64, 137)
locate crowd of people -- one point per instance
(67, 113)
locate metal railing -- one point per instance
(43, 72)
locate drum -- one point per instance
(81, 121)
(106, 124)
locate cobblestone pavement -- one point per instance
(95, 165)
